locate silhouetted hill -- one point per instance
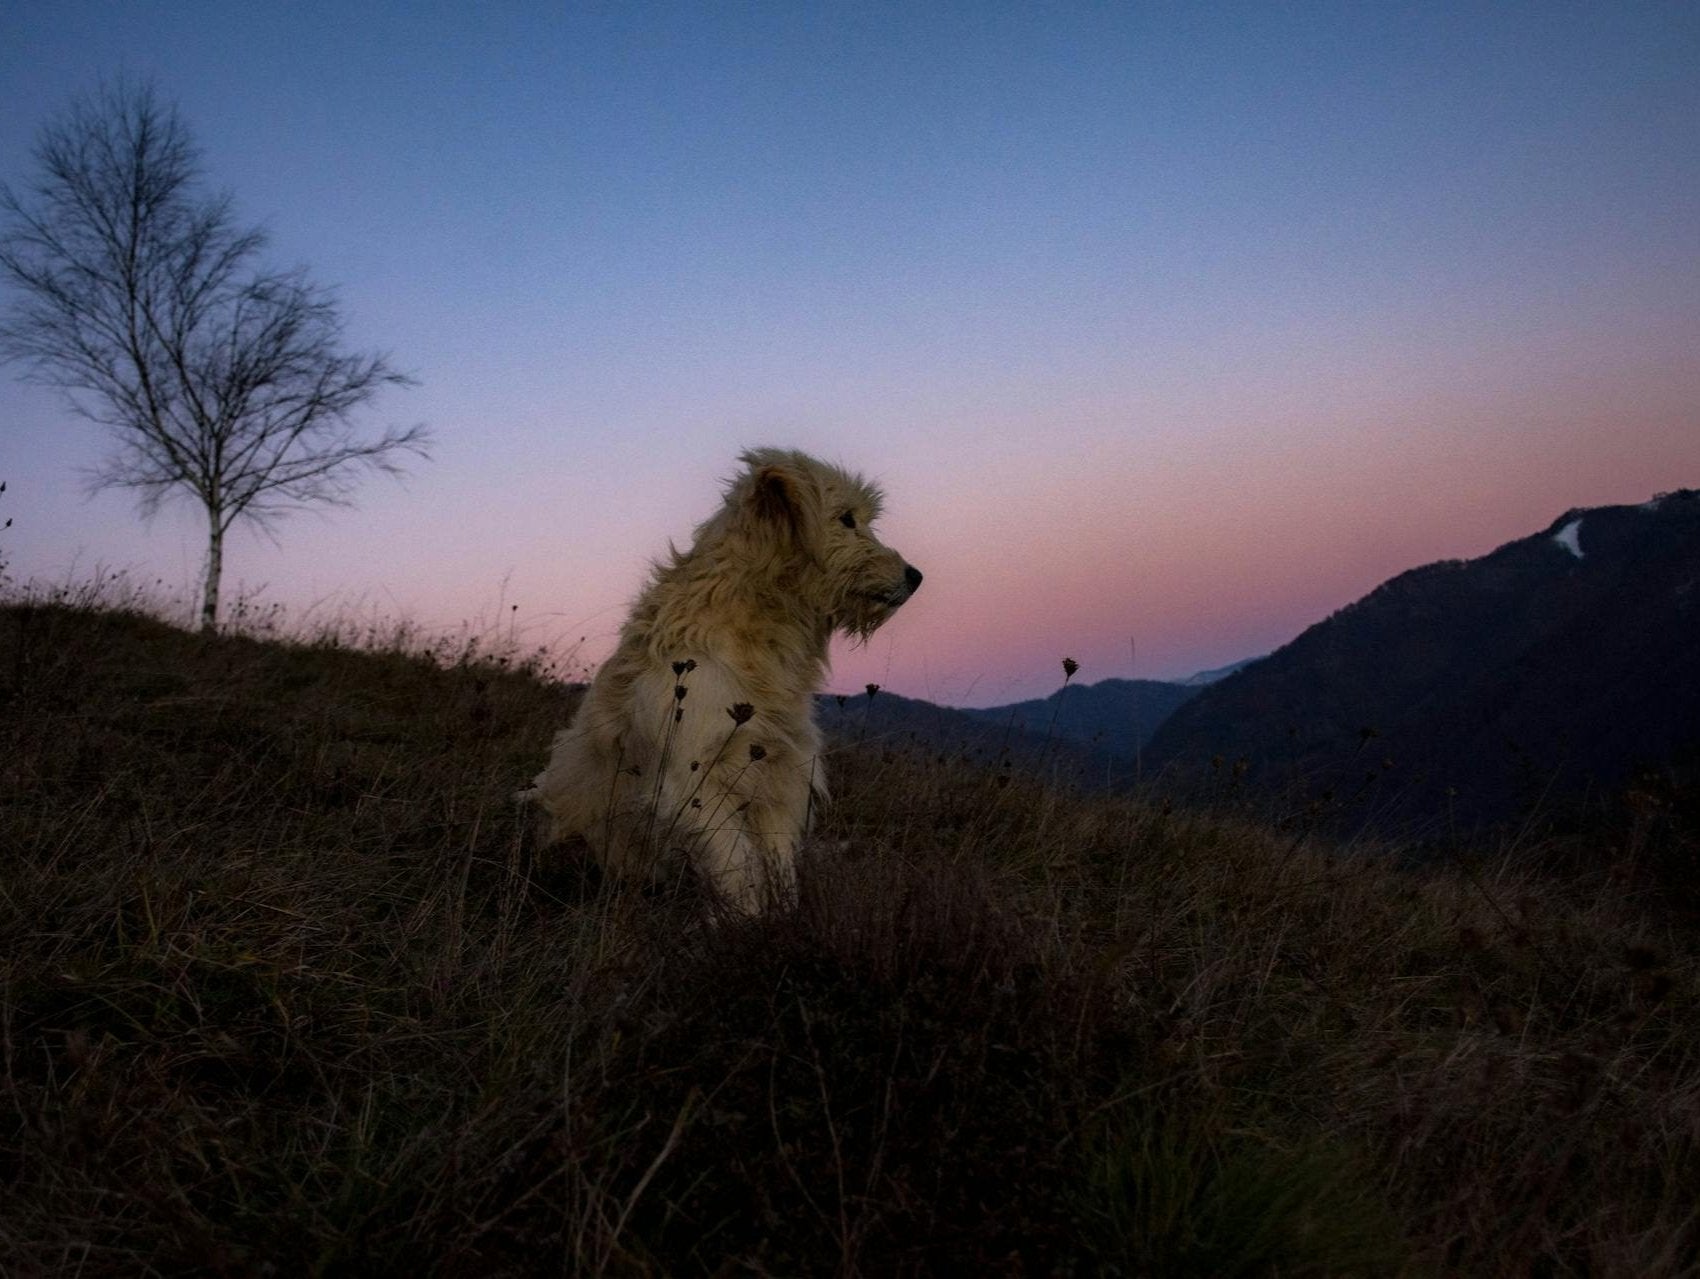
(1114, 716)
(1478, 689)
(986, 736)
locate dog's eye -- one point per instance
(848, 519)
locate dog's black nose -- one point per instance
(912, 575)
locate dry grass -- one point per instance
(284, 989)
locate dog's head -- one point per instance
(807, 527)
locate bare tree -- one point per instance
(140, 299)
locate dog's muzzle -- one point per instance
(911, 580)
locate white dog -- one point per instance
(697, 737)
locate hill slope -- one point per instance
(1002, 737)
(1560, 661)
(1114, 716)
(285, 989)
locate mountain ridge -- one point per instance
(1557, 663)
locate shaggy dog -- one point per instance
(697, 737)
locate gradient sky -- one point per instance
(1178, 322)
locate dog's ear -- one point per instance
(784, 504)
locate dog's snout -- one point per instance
(911, 575)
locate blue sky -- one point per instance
(1185, 322)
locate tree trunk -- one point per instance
(215, 570)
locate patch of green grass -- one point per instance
(1169, 1196)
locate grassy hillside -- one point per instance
(284, 989)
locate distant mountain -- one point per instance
(1115, 716)
(1475, 690)
(912, 724)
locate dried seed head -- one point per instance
(757, 752)
(872, 689)
(740, 712)
(1070, 666)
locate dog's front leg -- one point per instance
(746, 876)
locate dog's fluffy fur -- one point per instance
(697, 736)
